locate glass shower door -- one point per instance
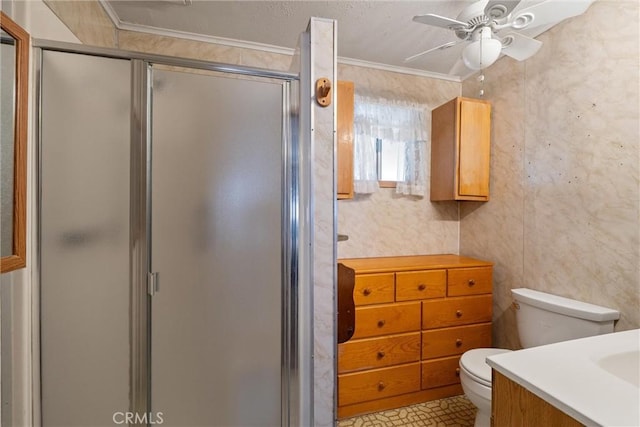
(216, 239)
(84, 239)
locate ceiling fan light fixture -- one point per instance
(482, 52)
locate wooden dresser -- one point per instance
(414, 317)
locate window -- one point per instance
(389, 146)
(390, 161)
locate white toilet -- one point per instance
(542, 319)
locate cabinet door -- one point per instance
(474, 148)
(345, 139)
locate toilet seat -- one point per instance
(473, 362)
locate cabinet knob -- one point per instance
(472, 282)
(422, 287)
(457, 372)
(381, 386)
(381, 354)
(381, 323)
(458, 342)
(458, 313)
(366, 292)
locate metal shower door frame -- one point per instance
(297, 388)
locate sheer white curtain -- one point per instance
(393, 123)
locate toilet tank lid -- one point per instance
(567, 306)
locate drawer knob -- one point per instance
(422, 287)
(381, 354)
(457, 372)
(458, 342)
(366, 292)
(381, 386)
(381, 323)
(458, 313)
(472, 282)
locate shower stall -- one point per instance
(169, 236)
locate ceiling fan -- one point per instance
(489, 28)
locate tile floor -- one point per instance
(452, 411)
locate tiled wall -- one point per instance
(564, 210)
(386, 224)
(323, 32)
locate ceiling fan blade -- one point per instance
(548, 12)
(439, 21)
(441, 47)
(498, 9)
(519, 47)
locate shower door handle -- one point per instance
(152, 283)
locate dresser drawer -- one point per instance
(469, 281)
(373, 288)
(421, 284)
(451, 341)
(378, 383)
(374, 353)
(456, 311)
(440, 372)
(387, 319)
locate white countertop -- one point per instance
(595, 380)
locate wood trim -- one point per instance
(19, 257)
(387, 184)
(411, 263)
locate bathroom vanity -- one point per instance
(591, 381)
(414, 317)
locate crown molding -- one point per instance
(396, 69)
(146, 29)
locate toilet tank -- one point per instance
(544, 318)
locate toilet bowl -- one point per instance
(542, 319)
(475, 377)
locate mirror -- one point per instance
(14, 73)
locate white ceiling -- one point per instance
(380, 32)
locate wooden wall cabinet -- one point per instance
(460, 150)
(345, 105)
(414, 317)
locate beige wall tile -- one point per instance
(323, 56)
(171, 46)
(87, 20)
(386, 224)
(564, 216)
